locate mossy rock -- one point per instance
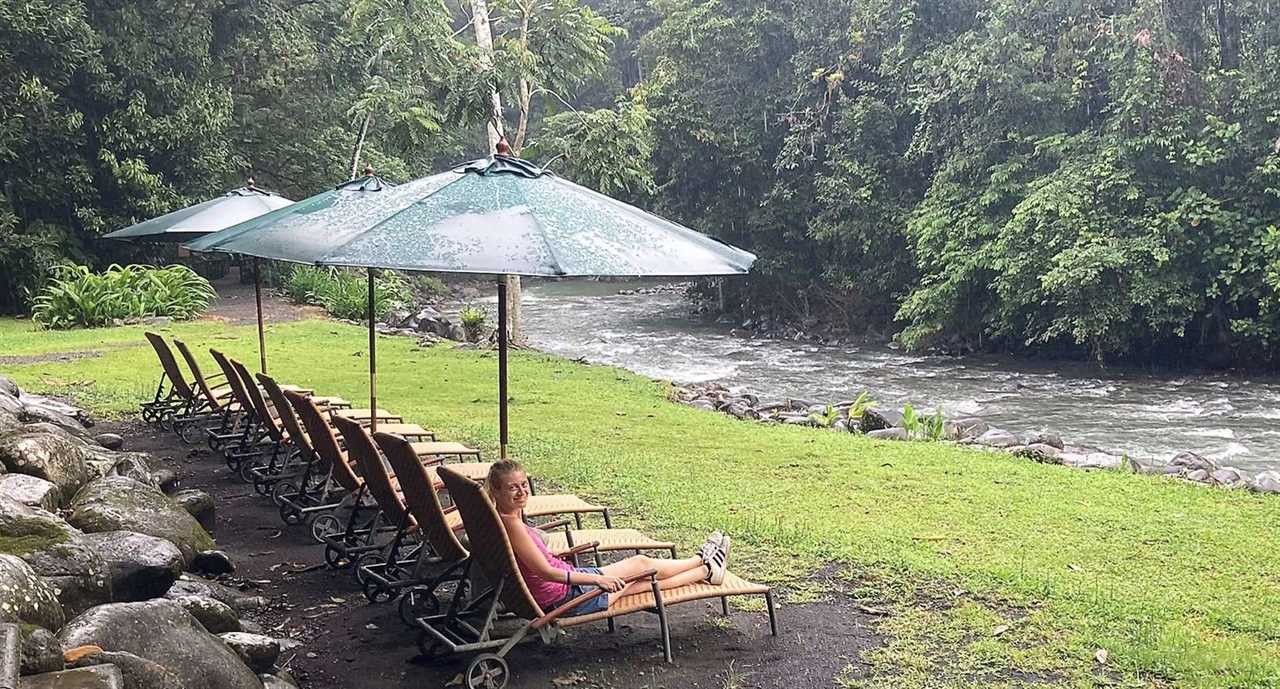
(42, 451)
(25, 529)
(25, 597)
(117, 503)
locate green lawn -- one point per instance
(1179, 584)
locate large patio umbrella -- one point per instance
(494, 216)
(193, 222)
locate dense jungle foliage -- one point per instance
(1082, 177)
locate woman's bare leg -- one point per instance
(692, 576)
(665, 568)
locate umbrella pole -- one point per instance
(257, 295)
(502, 367)
(373, 364)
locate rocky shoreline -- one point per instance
(99, 549)
(851, 416)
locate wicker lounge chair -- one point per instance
(491, 552)
(440, 526)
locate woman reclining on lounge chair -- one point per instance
(554, 582)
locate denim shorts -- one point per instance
(600, 602)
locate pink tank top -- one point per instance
(547, 593)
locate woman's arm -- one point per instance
(527, 552)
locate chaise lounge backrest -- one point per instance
(360, 448)
(420, 496)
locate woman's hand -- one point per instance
(610, 584)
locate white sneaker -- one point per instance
(718, 564)
(710, 546)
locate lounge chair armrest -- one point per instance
(557, 524)
(559, 612)
(579, 549)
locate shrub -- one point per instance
(345, 293)
(473, 319)
(308, 284)
(78, 297)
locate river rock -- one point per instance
(130, 465)
(1040, 452)
(1266, 482)
(77, 572)
(889, 434)
(9, 421)
(45, 454)
(8, 387)
(742, 411)
(199, 659)
(840, 425)
(111, 441)
(1044, 438)
(96, 677)
(703, 404)
(1228, 477)
(40, 415)
(138, 672)
(116, 503)
(258, 652)
(141, 566)
(1190, 462)
(997, 438)
(41, 651)
(1092, 460)
(198, 504)
(192, 586)
(964, 429)
(877, 419)
(216, 617)
(31, 491)
(25, 597)
(212, 563)
(1196, 475)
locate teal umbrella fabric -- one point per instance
(184, 225)
(498, 215)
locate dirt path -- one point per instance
(236, 304)
(352, 644)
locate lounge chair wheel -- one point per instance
(429, 646)
(261, 487)
(188, 433)
(487, 671)
(418, 601)
(377, 593)
(166, 421)
(325, 526)
(282, 490)
(247, 467)
(362, 572)
(290, 514)
(334, 558)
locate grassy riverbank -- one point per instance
(995, 570)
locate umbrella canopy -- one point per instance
(183, 225)
(495, 216)
(498, 216)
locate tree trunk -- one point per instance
(484, 39)
(359, 148)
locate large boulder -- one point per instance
(40, 451)
(25, 597)
(258, 652)
(198, 504)
(1188, 462)
(216, 617)
(76, 571)
(142, 567)
(96, 677)
(44, 415)
(110, 441)
(877, 419)
(188, 585)
(8, 387)
(41, 651)
(31, 491)
(9, 421)
(162, 632)
(138, 672)
(1266, 482)
(889, 434)
(1039, 452)
(25, 529)
(116, 503)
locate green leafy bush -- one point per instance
(79, 297)
(345, 293)
(473, 319)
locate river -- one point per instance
(1153, 416)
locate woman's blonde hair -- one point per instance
(497, 472)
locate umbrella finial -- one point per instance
(503, 148)
(251, 184)
(368, 170)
